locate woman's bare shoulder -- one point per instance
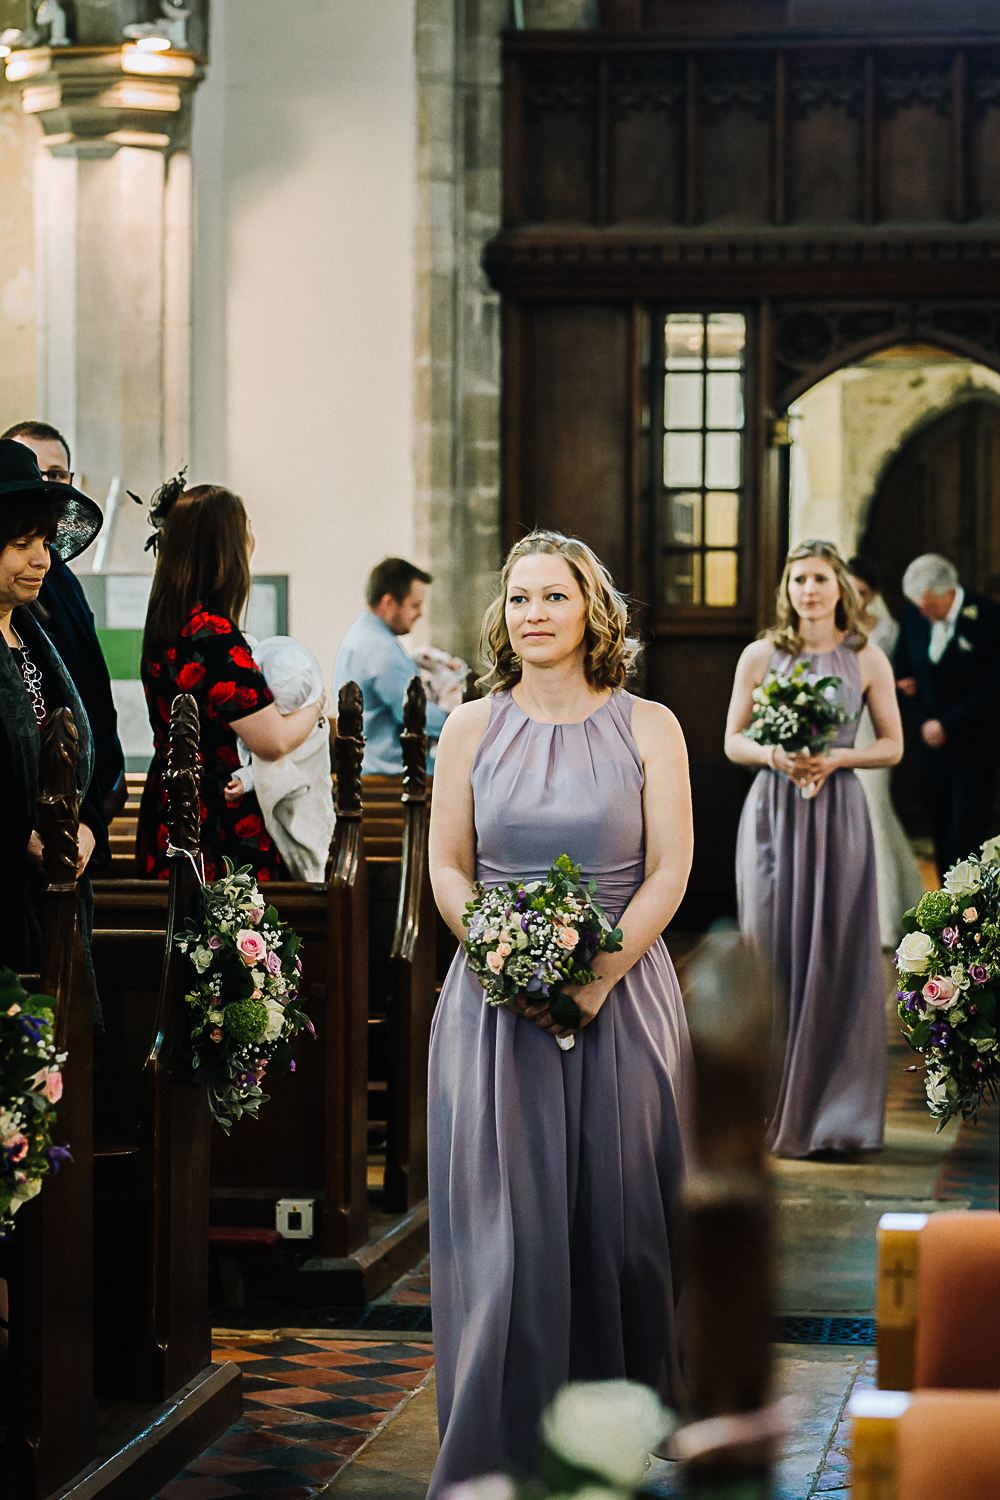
(465, 726)
(756, 656)
(655, 727)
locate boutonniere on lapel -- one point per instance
(970, 612)
(964, 645)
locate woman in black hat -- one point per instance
(37, 519)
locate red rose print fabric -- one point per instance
(210, 660)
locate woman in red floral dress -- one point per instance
(192, 644)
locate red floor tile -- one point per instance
(288, 1395)
(221, 1464)
(196, 1489)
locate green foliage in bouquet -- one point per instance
(533, 938)
(948, 964)
(244, 997)
(798, 711)
(30, 1089)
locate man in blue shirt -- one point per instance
(371, 655)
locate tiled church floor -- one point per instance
(309, 1405)
(357, 1413)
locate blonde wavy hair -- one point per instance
(784, 633)
(611, 652)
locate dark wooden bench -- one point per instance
(50, 1416)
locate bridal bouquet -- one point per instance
(798, 711)
(531, 939)
(949, 971)
(244, 997)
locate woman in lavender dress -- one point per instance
(553, 1173)
(805, 869)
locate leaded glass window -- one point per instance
(699, 531)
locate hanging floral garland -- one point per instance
(30, 1089)
(244, 999)
(949, 977)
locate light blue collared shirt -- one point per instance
(372, 656)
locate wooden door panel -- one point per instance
(575, 425)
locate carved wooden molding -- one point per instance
(560, 86)
(638, 84)
(349, 750)
(827, 86)
(59, 798)
(812, 337)
(743, 86)
(984, 88)
(594, 263)
(914, 86)
(184, 775)
(414, 742)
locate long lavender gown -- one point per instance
(553, 1174)
(805, 875)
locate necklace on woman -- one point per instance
(32, 682)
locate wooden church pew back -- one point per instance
(47, 1263)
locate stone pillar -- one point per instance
(113, 253)
(459, 134)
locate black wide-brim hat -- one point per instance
(20, 475)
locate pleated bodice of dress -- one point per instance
(542, 790)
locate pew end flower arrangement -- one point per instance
(31, 1086)
(948, 964)
(533, 938)
(245, 996)
(595, 1439)
(797, 712)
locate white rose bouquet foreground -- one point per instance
(949, 972)
(798, 712)
(30, 1089)
(244, 999)
(596, 1439)
(531, 939)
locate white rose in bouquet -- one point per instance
(275, 1020)
(991, 851)
(915, 953)
(606, 1426)
(489, 1487)
(962, 879)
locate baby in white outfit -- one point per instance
(296, 792)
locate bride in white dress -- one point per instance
(898, 878)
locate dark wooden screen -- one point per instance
(836, 185)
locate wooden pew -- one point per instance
(413, 978)
(320, 1149)
(49, 1410)
(151, 1155)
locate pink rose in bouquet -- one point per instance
(940, 992)
(250, 946)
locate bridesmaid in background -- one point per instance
(805, 868)
(897, 874)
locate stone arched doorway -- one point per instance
(941, 493)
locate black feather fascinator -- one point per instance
(160, 506)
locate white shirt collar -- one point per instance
(943, 630)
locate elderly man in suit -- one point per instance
(948, 669)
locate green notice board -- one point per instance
(122, 652)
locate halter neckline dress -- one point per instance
(553, 1175)
(805, 877)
